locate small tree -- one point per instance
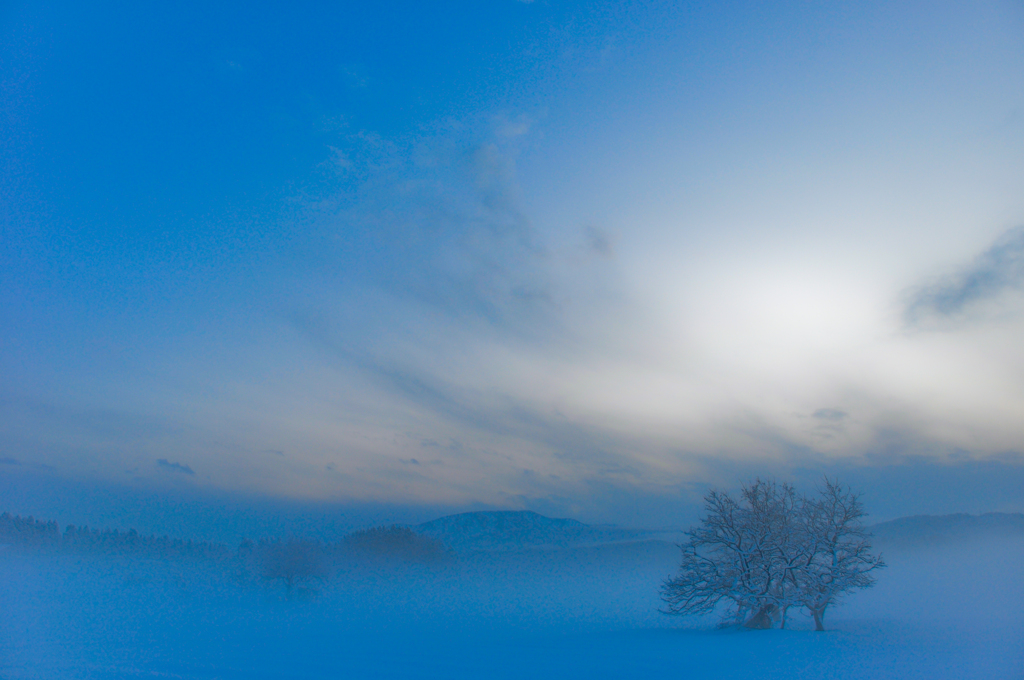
(772, 550)
(294, 562)
(395, 543)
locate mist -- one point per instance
(411, 339)
(522, 595)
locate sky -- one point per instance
(587, 259)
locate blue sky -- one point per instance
(581, 258)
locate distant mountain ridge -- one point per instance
(516, 530)
(510, 530)
(921, 530)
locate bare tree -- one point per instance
(395, 544)
(838, 556)
(294, 562)
(741, 554)
(769, 551)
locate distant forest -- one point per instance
(291, 561)
(31, 532)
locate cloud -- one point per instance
(174, 467)
(996, 271)
(598, 241)
(504, 425)
(830, 414)
(512, 127)
(434, 220)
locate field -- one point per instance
(946, 611)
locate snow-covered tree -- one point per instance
(772, 550)
(838, 556)
(741, 555)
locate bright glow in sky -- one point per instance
(576, 257)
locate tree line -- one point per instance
(293, 562)
(31, 532)
(300, 563)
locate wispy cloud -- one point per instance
(436, 220)
(996, 271)
(492, 410)
(165, 464)
(598, 241)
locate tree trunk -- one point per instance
(784, 611)
(819, 619)
(762, 620)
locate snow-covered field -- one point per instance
(938, 612)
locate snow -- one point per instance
(583, 612)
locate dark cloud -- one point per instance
(165, 464)
(997, 270)
(830, 414)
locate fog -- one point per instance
(564, 600)
(407, 339)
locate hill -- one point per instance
(925, 530)
(520, 530)
(514, 530)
